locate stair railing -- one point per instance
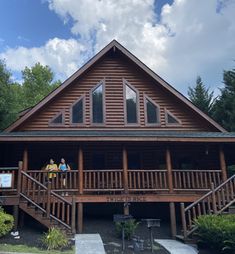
(214, 202)
(52, 205)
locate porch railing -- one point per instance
(147, 180)
(103, 180)
(195, 179)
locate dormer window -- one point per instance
(152, 112)
(97, 104)
(171, 119)
(131, 97)
(77, 111)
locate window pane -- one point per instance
(131, 111)
(98, 161)
(58, 119)
(134, 161)
(97, 106)
(152, 116)
(171, 119)
(77, 112)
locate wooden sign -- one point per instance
(125, 199)
(5, 180)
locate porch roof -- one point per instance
(118, 135)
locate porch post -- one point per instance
(169, 170)
(25, 159)
(80, 217)
(80, 169)
(125, 169)
(16, 216)
(173, 219)
(222, 164)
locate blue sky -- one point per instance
(178, 39)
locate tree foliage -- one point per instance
(224, 108)
(14, 97)
(201, 97)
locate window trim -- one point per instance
(147, 98)
(50, 122)
(125, 82)
(83, 98)
(102, 82)
(172, 124)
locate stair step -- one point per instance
(186, 240)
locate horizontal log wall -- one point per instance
(113, 69)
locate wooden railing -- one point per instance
(52, 205)
(103, 180)
(196, 179)
(61, 180)
(214, 202)
(147, 180)
(14, 172)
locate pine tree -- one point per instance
(201, 97)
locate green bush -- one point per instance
(6, 222)
(54, 239)
(129, 228)
(217, 232)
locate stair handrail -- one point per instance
(51, 193)
(197, 203)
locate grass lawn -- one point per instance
(27, 249)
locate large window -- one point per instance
(77, 111)
(152, 112)
(97, 104)
(131, 105)
(98, 160)
(134, 160)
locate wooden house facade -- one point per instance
(127, 135)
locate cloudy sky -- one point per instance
(178, 39)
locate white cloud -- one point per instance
(189, 38)
(63, 56)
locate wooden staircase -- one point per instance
(216, 201)
(46, 206)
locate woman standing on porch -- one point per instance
(51, 167)
(63, 167)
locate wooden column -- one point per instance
(73, 221)
(16, 216)
(25, 159)
(169, 170)
(126, 209)
(20, 168)
(125, 169)
(80, 217)
(222, 164)
(173, 219)
(80, 169)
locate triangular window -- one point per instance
(57, 119)
(152, 112)
(171, 119)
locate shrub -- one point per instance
(6, 222)
(217, 232)
(129, 228)
(54, 239)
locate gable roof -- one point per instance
(112, 45)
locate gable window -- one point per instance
(152, 112)
(57, 120)
(77, 111)
(171, 119)
(97, 104)
(131, 104)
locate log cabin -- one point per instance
(128, 136)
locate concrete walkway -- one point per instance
(89, 244)
(176, 247)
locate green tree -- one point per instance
(224, 108)
(38, 81)
(10, 95)
(201, 97)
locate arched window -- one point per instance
(152, 112)
(131, 103)
(77, 111)
(98, 104)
